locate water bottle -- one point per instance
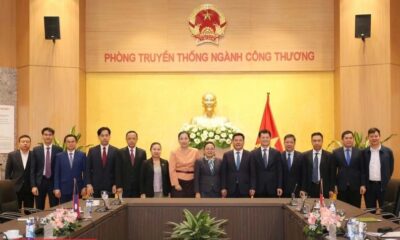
(351, 225)
(332, 207)
(88, 208)
(30, 228)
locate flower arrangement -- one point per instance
(63, 221)
(220, 135)
(319, 222)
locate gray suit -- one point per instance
(207, 183)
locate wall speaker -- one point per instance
(52, 28)
(363, 26)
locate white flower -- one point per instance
(211, 134)
(217, 137)
(223, 135)
(192, 135)
(228, 141)
(194, 129)
(203, 138)
(197, 141)
(205, 132)
(198, 134)
(223, 128)
(218, 131)
(230, 136)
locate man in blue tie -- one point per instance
(70, 165)
(349, 179)
(268, 166)
(238, 173)
(317, 166)
(292, 167)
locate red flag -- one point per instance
(268, 122)
(321, 194)
(75, 200)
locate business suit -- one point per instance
(326, 170)
(20, 176)
(128, 176)
(238, 182)
(207, 182)
(38, 179)
(268, 178)
(102, 178)
(376, 189)
(292, 176)
(64, 174)
(147, 178)
(348, 176)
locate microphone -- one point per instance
(293, 195)
(374, 209)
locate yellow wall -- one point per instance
(157, 105)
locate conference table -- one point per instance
(267, 218)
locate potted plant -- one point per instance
(197, 227)
(359, 141)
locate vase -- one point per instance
(332, 231)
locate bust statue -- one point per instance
(209, 102)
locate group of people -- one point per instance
(263, 172)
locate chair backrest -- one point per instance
(8, 197)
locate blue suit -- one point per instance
(64, 175)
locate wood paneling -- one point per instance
(375, 50)
(7, 33)
(155, 26)
(23, 33)
(394, 31)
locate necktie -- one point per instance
(211, 164)
(265, 157)
(237, 160)
(315, 169)
(104, 157)
(71, 158)
(289, 161)
(348, 157)
(48, 163)
(132, 157)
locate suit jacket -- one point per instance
(128, 176)
(147, 178)
(245, 176)
(387, 165)
(326, 169)
(268, 178)
(347, 175)
(64, 174)
(39, 161)
(101, 178)
(293, 176)
(15, 169)
(204, 179)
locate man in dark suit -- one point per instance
(292, 167)
(42, 179)
(317, 166)
(128, 167)
(70, 167)
(18, 170)
(238, 173)
(378, 163)
(347, 160)
(268, 165)
(100, 166)
(207, 174)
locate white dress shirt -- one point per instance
(240, 154)
(375, 165)
(101, 149)
(24, 157)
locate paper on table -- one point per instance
(391, 235)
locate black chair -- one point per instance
(9, 202)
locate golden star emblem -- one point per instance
(207, 15)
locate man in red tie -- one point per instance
(101, 165)
(129, 166)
